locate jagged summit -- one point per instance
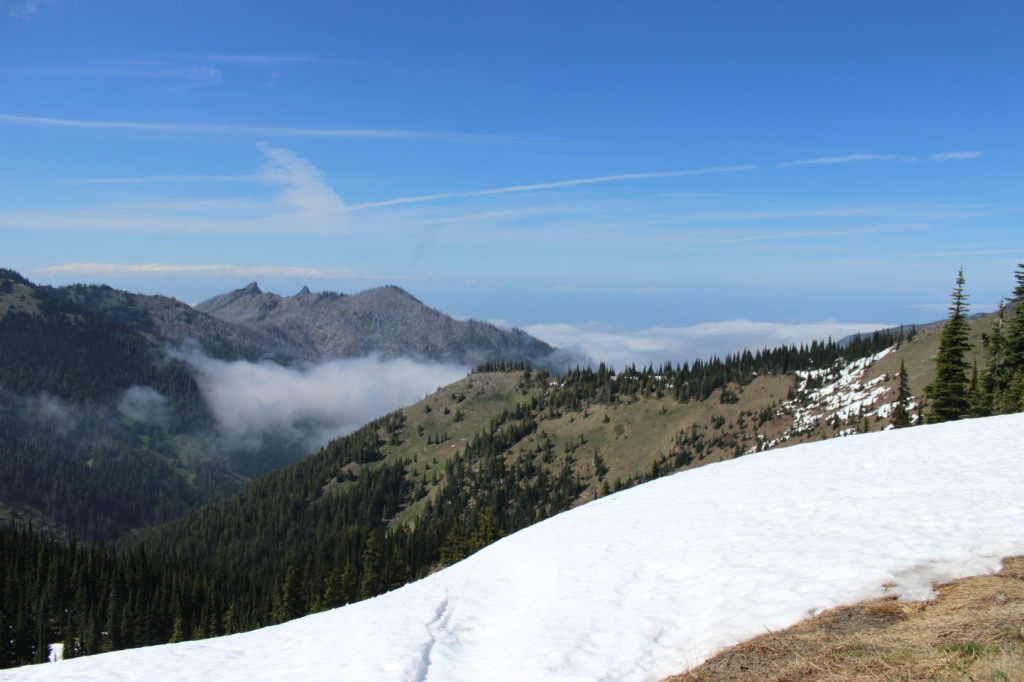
(387, 320)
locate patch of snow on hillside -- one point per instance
(842, 393)
(654, 579)
(837, 394)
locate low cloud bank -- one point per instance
(261, 402)
(47, 411)
(678, 344)
(137, 405)
(143, 404)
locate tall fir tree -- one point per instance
(369, 586)
(290, 599)
(900, 417)
(994, 380)
(949, 391)
(1013, 346)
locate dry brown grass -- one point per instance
(973, 631)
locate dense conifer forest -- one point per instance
(330, 529)
(71, 459)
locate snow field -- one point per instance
(655, 579)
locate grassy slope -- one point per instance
(973, 631)
(631, 434)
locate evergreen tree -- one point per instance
(290, 602)
(178, 632)
(486, 532)
(1014, 348)
(453, 549)
(949, 392)
(976, 399)
(349, 583)
(994, 381)
(396, 572)
(370, 584)
(900, 417)
(334, 591)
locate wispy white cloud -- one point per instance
(177, 77)
(815, 234)
(202, 205)
(942, 254)
(268, 60)
(797, 213)
(160, 179)
(271, 131)
(207, 270)
(826, 160)
(552, 185)
(677, 344)
(22, 8)
(954, 156)
(310, 196)
(306, 205)
(851, 158)
(188, 78)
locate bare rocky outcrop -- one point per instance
(385, 320)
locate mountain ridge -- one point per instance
(387, 320)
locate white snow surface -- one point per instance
(653, 580)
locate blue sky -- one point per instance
(585, 170)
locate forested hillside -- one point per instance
(98, 431)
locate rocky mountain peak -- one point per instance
(385, 320)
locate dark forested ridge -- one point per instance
(59, 349)
(170, 321)
(95, 422)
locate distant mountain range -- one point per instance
(386, 320)
(250, 323)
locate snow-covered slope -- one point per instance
(655, 579)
